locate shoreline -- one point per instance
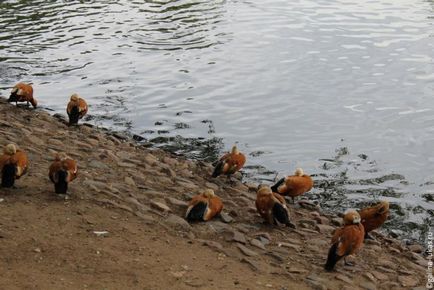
(148, 189)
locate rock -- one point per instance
(128, 180)
(257, 243)
(188, 185)
(264, 235)
(344, 278)
(178, 222)
(288, 245)
(212, 186)
(239, 237)
(380, 276)
(337, 222)
(226, 218)
(126, 165)
(254, 265)
(370, 276)
(407, 281)
(246, 251)
(368, 286)
(416, 248)
(324, 229)
(213, 245)
(307, 223)
(98, 165)
(37, 250)
(372, 242)
(150, 159)
(176, 202)
(251, 186)
(322, 220)
(160, 206)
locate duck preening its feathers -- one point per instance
(204, 206)
(22, 92)
(13, 165)
(76, 109)
(229, 163)
(62, 171)
(293, 185)
(374, 217)
(346, 240)
(272, 207)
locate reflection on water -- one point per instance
(290, 81)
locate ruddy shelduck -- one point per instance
(76, 109)
(62, 171)
(272, 207)
(229, 163)
(22, 92)
(346, 240)
(13, 165)
(204, 206)
(374, 217)
(293, 185)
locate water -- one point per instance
(342, 88)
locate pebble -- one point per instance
(337, 222)
(288, 245)
(246, 251)
(407, 281)
(226, 218)
(212, 186)
(128, 180)
(257, 243)
(160, 206)
(380, 276)
(178, 222)
(344, 278)
(239, 237)
(368, 286)
(176, 202)
(324, 228)
(416, 248)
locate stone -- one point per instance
(239, 237)
(344, 278)
(264, 235)
(176, 202)
(322, 220)
(324, 229)
(307, 223)
(160, 206)
(416, 248)
(288, 245)
(254, 265)
(212, 186)
(257, 243)
(407, 281)
(150, 159)
(246, 251)
(252, 186)
(337, 222)
(128, 180)
(370, 276)
(380, 276)
(178, 222)
(226, 218)
(368, 286)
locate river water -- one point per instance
(342, 88)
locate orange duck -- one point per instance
(346, 240)
(13, 165)
(374, 217)
(62, 171)
(204, 206)
(294, 185)
(22, 92)
(229, 163)
(76, 109)
(272, 207)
